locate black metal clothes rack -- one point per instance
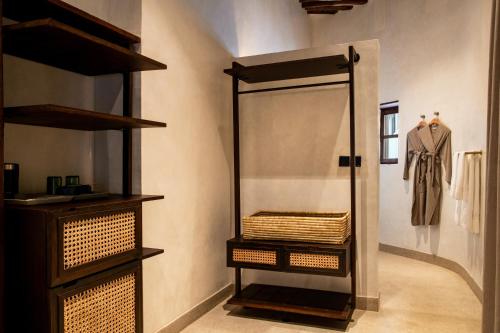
(295, 302)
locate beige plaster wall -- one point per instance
(191, 161)
(291, 141)
(434, 57)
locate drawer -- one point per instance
(261, 257)
(80, 245)
(106, 302)
(284, 256)
(317, 261)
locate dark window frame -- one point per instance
(387, 109)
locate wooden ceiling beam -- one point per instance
(332, 2)
(328, 8)
(315, 11)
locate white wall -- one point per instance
(191, 160)
(434, 56)
(250, 27)
(290, 144)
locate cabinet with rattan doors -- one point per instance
(78, 267)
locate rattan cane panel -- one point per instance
(311, 260)
(88, 240)
(254, 256)
(109, 307)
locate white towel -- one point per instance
(466, 189)
(457, 183)
(457, 178)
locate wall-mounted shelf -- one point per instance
(320, 303)
(27, 10)
(88, 205)
(296, 69)
(50, 42)
(70, 118)
(150, 252)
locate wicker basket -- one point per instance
(329, 228)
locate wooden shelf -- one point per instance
(295, 69)
(89, 205)
(27, 10)
(50, 42)
(326, 304)
(71, 118)
(150, 252)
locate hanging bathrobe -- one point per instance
(437, 143)
(415, 149)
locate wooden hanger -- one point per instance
(435, 122)
(422, 122)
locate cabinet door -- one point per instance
(85, 244)
(107, 302)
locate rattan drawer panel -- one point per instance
(255, 256)
(90, 239)
(314, 260)
(109, 307)
(84, 244)
(109, 302)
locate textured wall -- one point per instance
(291, 141)
(434, 57)
(191, 160)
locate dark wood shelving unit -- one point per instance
(70, 118)
(56, 44)
(277, 255)
(41, 276)
(326, 304)
(28, 10)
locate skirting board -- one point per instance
(438, 261)
(199, 310)
(368, 303)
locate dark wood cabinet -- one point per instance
(58, 253)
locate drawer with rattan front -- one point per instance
(315, 261)
(89, 243)
(107, 302)
(285, 256)
(250, 257)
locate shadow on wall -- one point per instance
(292, 135)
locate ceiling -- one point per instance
(329, 7)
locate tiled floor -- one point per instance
(415, 297)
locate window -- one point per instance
(389, 130)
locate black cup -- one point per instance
(53, 184)
(11, 179)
